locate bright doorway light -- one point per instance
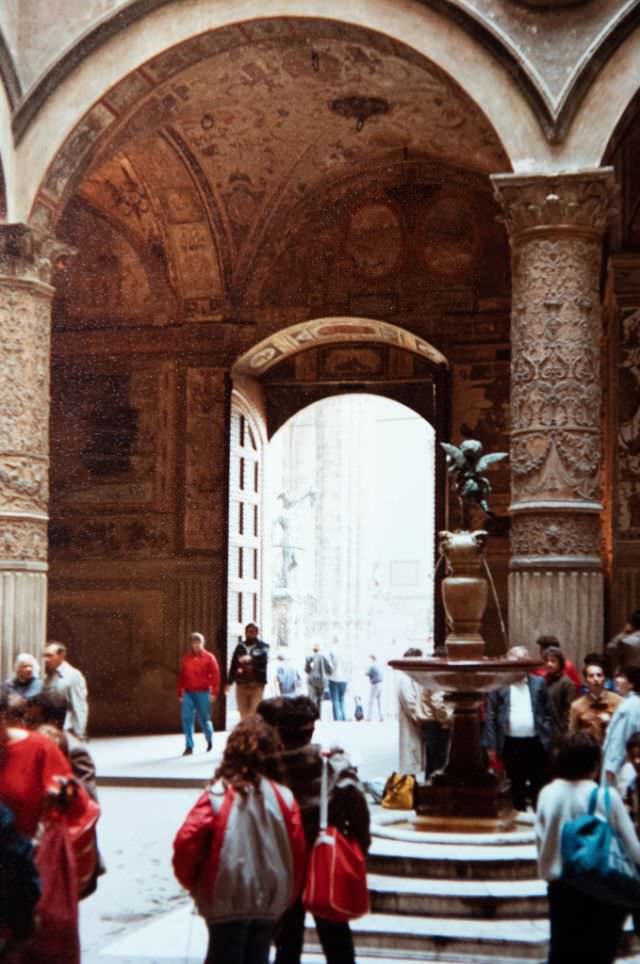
(349, 533)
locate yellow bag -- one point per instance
(398, 792)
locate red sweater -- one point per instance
(569, 670)
(27, 773)
(199, 671)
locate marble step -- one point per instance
(403, 937)
(480, 899)
(436, 861)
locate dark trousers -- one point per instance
(336, 939)
(239, 942)
(583, 929)
(526, 764)
(436, 739)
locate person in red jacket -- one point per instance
(241, 850)
(198, 686)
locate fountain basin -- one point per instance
(465, 675)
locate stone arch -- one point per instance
(251, 371)
(329, 331)
(606, 103)
(52, 152)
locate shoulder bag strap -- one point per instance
(324, 794)
(593, 800)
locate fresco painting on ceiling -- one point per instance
(370, 257)
(190, 176)
(105, 282)
(629, 428)
(375, 239)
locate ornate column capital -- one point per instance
(30, 254)
(577, 203)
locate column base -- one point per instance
(23, 614)
(566, 603)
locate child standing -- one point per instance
(241, 850)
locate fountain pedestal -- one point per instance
(466, 794)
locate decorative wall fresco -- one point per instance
(205, 462)
(114, 432)
(480, 410)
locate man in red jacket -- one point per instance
(198, 686)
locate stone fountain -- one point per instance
(466, 795)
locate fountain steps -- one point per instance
(459, 901)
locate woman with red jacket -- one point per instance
(37, 786)
(241, 850)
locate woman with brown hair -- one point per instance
(240, 852)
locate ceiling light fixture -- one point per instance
(360, 108)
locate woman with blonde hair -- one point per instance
(240, 852)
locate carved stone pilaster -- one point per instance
(27, 259)
(555, 225)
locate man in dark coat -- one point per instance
(518, 730)
(248, 670)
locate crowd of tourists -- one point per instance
(251, 849)
(245, 851)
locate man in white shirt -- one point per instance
(61, 676)
(518, 729)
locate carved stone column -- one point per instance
(555, 226)
(26, 260)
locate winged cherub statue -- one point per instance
(466, 466)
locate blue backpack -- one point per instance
(594, 860)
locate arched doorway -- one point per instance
(294, 371)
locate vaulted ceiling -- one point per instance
(222, 147)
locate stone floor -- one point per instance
(140, 915)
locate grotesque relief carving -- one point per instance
(204, 459)
(30, 254)
(580, 200)
(556, 392)
(24, 484)
(23, 540)
(24, 365)
(628, 489)
(555, 534)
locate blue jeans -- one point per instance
(337, 691)
(196, 702)
(239, 942)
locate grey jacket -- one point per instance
(496, 724)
